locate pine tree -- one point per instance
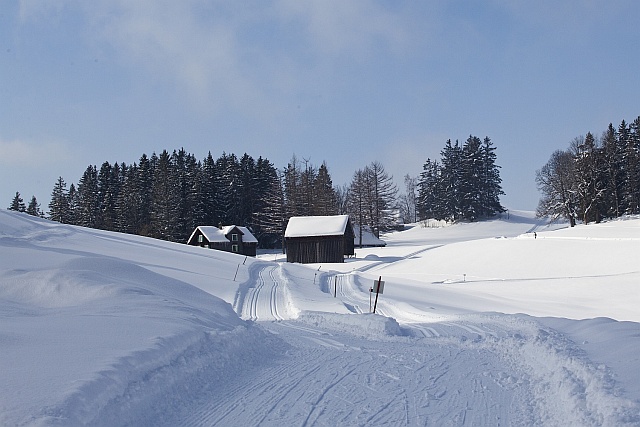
(246, 190)
(614, 172)
(128, 212)
(227, 171)
(108, 188)
(146, 170)
(266, 177)
(88, 209)
(34, 208)
(429, 187)
(164, 200)
(490, 181)
(59, 205)
(72, 201)
(324, 201)
(631, 159)
(471, 172)
(17, 204)
(450, 196)
(210, 193)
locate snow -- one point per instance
(368, 238)
(479, 324)
(304, 226)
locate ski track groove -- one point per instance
(479, 364)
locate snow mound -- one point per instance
(366, 325)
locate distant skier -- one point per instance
(535, 235)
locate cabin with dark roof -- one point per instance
(319, 239)
(231, 238)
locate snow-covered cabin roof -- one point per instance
(247, 236)
(306, 226)
(215, 234)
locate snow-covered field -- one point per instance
(479, 324)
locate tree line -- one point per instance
(596, 178)
(166, 196)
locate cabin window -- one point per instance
(200, 238)
(234, 248)
(234, 237)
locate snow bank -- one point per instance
(362, 325)
(91, 336)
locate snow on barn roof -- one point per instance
(305, 226)
(215, 234)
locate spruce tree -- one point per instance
(34, 208)
(490, 181)
(471, 172)
(450, 196)
(613, 172)
(88, 209)
(17, 204)
(210, 193)
(164, 200)
(59, 205)
(631, 159)
(324, 201)
(429, 186)
(146, 170)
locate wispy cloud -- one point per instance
(30, 155)
(245, 56)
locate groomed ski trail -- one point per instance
(264, 299)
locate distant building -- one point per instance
(319, 239)
(231, 238)
(368, 238)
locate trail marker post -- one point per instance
(378, 287)
(335, 287)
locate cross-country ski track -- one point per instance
(478, 325)
(476, 369)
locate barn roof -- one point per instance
(307, 226)
(215, 234)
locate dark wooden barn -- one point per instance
(231, 238)
(319, 239)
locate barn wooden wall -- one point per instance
(307, 250)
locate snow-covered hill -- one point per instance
(101, 328)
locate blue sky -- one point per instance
(346, 82)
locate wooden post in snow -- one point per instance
(377, 293)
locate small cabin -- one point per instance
(231, 238)
(319, 239)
